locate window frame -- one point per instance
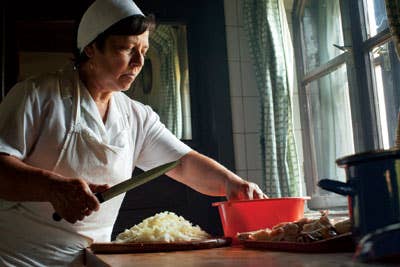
(366, 135)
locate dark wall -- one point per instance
(48, 26)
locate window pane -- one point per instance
(386, 67)
(330, 123)
(322, 32)
(375, 17)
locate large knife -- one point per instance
(130, 184)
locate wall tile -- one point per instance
(240, 151)
(255, 176)
(235, 82)
(232, 40)
(252, 115)
(299, 145)
(239, 12)
(249, 84)
(296, 112)
(242, 174)
(237, 114)
(230, 7)
(244, 45)
(253, 152)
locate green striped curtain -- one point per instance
(163, 40)
(267, 33)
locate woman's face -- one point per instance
(117, 66)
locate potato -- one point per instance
(343, 226)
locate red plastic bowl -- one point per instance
(250, 215)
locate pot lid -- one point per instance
(369, 156)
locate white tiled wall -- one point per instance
(244, 96)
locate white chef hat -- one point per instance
(101, 15)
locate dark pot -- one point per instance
(373, 188)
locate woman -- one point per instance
(71, 133)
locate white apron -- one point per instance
(85, 155)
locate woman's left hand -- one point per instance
(241, 190)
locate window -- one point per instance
(348, 73)
(385, 73)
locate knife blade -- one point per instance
(130, 184)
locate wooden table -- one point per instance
(226, 256)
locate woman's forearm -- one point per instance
(21, 182)
(203, 174)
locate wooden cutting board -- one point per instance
(110, 247)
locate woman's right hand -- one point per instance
(73, 198)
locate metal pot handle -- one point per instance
(338, 187)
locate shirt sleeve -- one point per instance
(160, 145)
(18, 113)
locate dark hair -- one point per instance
(133, 25)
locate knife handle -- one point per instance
(57, 217)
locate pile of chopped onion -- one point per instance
(163, 227)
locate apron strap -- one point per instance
(76, 114)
